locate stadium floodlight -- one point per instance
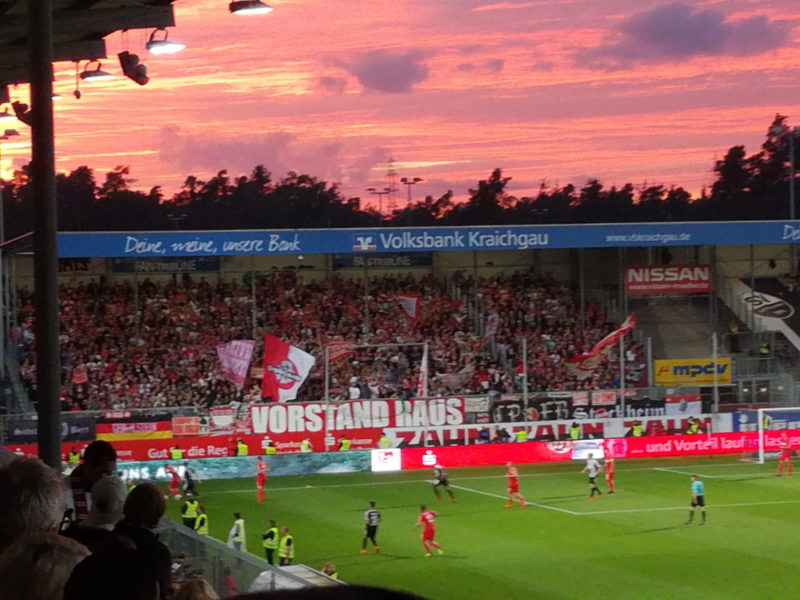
(163, 46)
(249, 7)
(132, 68)
(22, 112)
(97, 74)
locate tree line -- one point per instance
(746, 187)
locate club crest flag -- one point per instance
(583, 365)
(234, 360)
(285, 369)
(410, 304)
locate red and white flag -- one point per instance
(422, 382)
(338, 350)
(80, 376)
(492, 325)
(285, 369)
(583, 365)
(410, 304)
(234, 360)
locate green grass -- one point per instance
(632, 544)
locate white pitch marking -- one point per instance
(491, 495)
(635, 510)
(703, 475)
(370, 483)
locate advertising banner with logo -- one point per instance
(642, 280)
(361, 421)
(694, 371)
(73, 429)
(245, 466)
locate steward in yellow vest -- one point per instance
(270, 542)
(286, 547)
(201, 523)
(189, 510)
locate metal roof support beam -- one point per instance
(45, 261)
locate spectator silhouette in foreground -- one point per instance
(143, 509)
(31, 499)
(195, 589)
(37, 567)
(99, 459)
(343, 592)
(95, 532)
(117, 574)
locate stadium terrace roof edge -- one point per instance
(161, 244)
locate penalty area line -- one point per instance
(703, 475)
(491, 495)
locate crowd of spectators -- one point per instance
(125, 348)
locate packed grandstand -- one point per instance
(166, 356)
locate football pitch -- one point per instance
(633, 544)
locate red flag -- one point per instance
(285, 369)
(583, 365)
(339, 349)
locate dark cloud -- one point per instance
(495, 64)
(335, 85)
(678, 31)
(358, 172)
(390, 72)
(279, 152)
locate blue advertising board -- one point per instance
(426, 239)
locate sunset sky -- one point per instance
(553, 90)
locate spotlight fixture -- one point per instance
(249, 7)
(163, 46)
(92, 75)
(6, 116)
(132, 68)
(22, 112)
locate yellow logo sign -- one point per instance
(694, 371)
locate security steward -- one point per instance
(269, 539)
(201, 523)
(189, 511)
(286, 547)
(574, 432)
(241, 448)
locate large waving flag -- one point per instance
(285, 369)
(583, 365)
(422, 382)
(234, 360)
(410, 304)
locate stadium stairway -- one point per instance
(677, 329)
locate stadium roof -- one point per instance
(79, 29)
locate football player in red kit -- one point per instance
(174, 486)
(427, 519)
(785, 457)
(261, 479)
(513, 486)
